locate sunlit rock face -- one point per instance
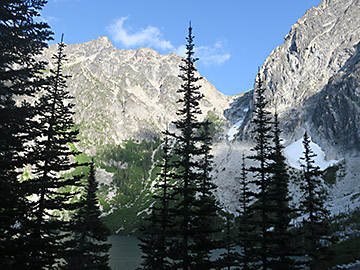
(123, 94)
(313, 78)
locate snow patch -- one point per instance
(294, 151)
(147, 210)
(348, 266)
(103, 177)
(120, 229)
(234, 130)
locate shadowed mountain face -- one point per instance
(337, 107)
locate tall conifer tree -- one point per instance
(207, 208)
(190, 173)
(262, 174)
(50, 190)
(186, 151)
(21, 39)
(246, 236)
(155, 242)
(230, 258)
(282, 239)
(88, 248)
(312, 207)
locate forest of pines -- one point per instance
(50, 219)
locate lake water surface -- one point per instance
(125, 253)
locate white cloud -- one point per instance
(214, 55)
(150, 36)
(180, 50)
(47, 19)
(208, 55)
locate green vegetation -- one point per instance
(346, 251)
(133, 167)
(333, 173)
(126, 219)
(215, 126)
(131, 163)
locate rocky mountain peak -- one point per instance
(123, 94)
(103, 41)
(297, 74)
(146, 53)
(316, 48)
(95, 45)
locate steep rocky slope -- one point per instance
(123, 94)
(312, 79)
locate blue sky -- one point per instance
(233, 37)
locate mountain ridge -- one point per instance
(315, 50)
(137, 87)
(123, 95)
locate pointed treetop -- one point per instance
(62, 38)
(190, 32)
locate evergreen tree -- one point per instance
(21, 39)
(186, 245)
(282, 249)
(207, 211)
(51, 191)
(156, 240)
(229, 259)
(262, 173)
(312, 207)
(187, 166)
(247, 228)
(88, 247)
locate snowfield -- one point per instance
(231, 135)
(295, 151)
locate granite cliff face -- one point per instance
(123, 94)
(313, 79)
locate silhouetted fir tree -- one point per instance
(46, 227)
(282, 249)
(187, 165)
(21, 39)
(153, 249)
(155, 242)
(315, 223)
(207, 210)
(246, 235)
(229, 259)
(87, 248)
(262, 174)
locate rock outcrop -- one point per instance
(312, 79)
(123, 94)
